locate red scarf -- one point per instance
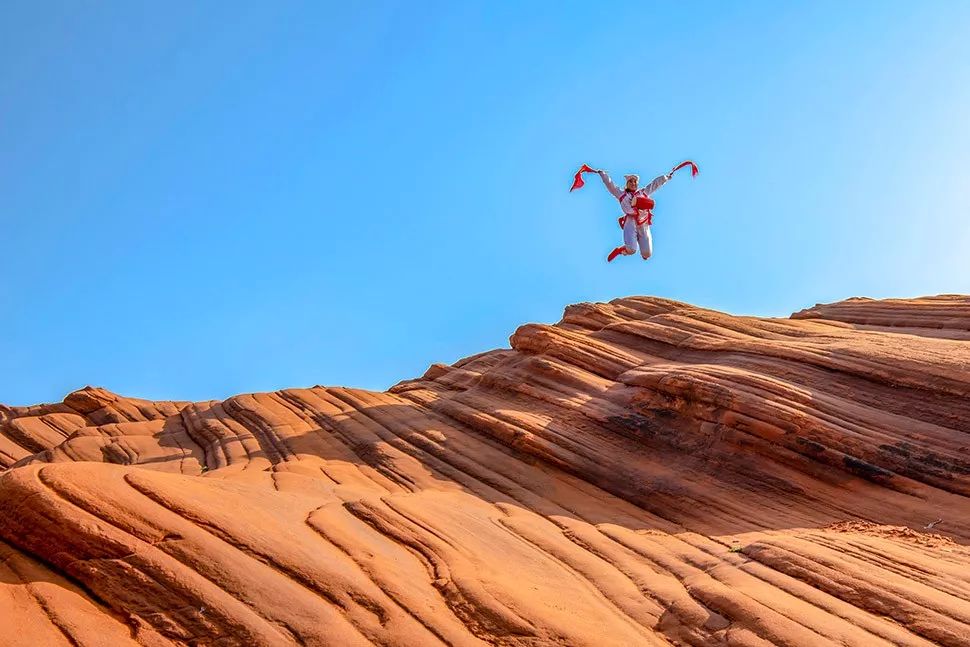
(693, 168)
(578, 181)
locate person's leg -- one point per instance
(645, 240)
(630, 236)
(629, 245)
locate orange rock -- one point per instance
(644, 472)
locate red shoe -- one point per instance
(616, 252)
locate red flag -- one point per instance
(578, 180)
(693, 168)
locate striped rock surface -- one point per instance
(644, 472)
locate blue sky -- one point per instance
(202, 199)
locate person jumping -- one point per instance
(637, 207)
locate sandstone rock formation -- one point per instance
(643, 472)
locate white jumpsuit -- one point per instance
(632, 232)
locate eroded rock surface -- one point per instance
(642, 473)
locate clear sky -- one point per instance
(204, 198)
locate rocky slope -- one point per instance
(642, 473)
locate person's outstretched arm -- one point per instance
(609, 184)
(656, 183)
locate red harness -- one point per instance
(639, 203)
